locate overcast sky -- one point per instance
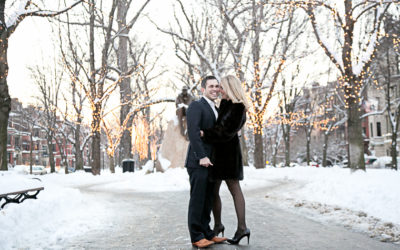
(32, 44)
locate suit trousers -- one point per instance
(200, 204)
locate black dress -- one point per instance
(226, 155)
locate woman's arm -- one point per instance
(228, 126)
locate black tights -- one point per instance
(238, 199)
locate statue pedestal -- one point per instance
(173, 149)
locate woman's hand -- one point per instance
(201, 133)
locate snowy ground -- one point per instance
(364, 201)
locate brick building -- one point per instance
(24, 135)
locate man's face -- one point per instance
(212, 89)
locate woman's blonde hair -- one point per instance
(234, 90)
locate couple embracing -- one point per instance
(214, 155)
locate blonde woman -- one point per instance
(226, 155)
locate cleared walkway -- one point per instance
(158, 221)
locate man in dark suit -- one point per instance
(201, 115)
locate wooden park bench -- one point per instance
(19, 196)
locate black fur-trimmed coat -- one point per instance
(226, 155)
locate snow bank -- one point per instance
(11, 183)
(58, 213)
(374, 192)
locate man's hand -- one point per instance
(201, 133)
(205, 162)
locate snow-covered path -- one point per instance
(286, 208)
(142, 220)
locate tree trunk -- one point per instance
(112, 164)
(256, 50)
(78, 160)
(394, 127)
(96, 91)
(287, 145)
(96, 139)
(275, 152)
(64, 157)
(50, 146)
(287, 153)
(66, 171)
(5, 100)
(243, 146)
(308, 141)
(258, 150)
(354, 128)
(31, 153)
(125, 89)
(96, 156)
(393, 150)
(325, 148)
(274, 157)
(275, 147)
(78, 151)
(355, 138)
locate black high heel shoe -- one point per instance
(239, 235)
(219, 229)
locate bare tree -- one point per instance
(387, 75)
(62, 138)
(113, 135)
(75, 119)
(266, 68)
(311, 113)
(274, 135)
(76, 94)
(289, 100)
(95, 77)
(99, 76)
(334, 116)
(49, 86)
(144, 82)
(12, 13)
(308, 122)
(202, 33)
(30, 115)
(122, 52)
(233, 13)
(350, 54)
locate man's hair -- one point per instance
(205, 79)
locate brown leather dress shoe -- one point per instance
(203, 243)
(217, 239)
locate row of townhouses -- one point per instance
(377, 131)
(22, 137)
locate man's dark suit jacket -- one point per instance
(200, 116)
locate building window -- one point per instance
(44, 151)
(371, 129)
(378, 129)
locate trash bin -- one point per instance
(128, 165)
(87, 169)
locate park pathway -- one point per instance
(158, 221)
